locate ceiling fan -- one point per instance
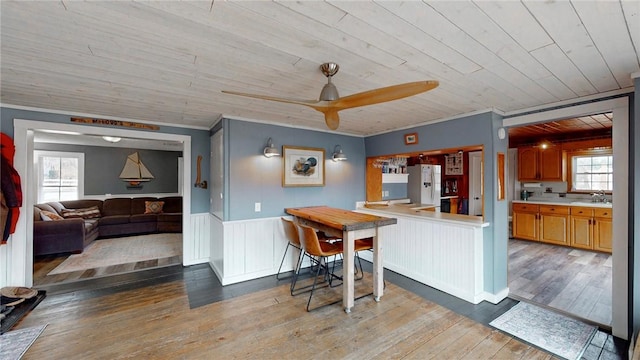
(330, 102)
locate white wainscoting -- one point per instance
(196, 247)
(446, 256)
(248, 249)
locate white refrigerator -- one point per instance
(425, 184)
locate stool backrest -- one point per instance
(291, 231)
(309, 241)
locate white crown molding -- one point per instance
(73, 113)
(267, 122)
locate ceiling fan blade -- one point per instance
(311, 103)
(332, 119)
(384, 94)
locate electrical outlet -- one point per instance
(257, 207)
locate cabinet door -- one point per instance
(528, 163)
(525, 225)
(552, 164)
(554, 229)
(581, 232)
(602, 234)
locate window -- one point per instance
(591, 171)
(60, 175)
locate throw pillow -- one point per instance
(49, 216)
(86, 213)
(153, 207)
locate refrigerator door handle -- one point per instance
(433, 186)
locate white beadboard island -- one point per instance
(441, 250)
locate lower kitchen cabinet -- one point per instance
(575, 226)
(554, 224)
(602, 229)
(581, 229)
(525, 221)
(591, 228)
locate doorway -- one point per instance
(21, 254)
(475, 183)
(620, 261)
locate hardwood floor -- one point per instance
(42, 265)
(154, 322)
(177, 312)
(577, 282)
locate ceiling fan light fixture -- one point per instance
(329, 92)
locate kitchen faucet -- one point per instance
(598, 196)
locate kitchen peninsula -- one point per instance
(442, 250)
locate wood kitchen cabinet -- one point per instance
(537, 164)
(575, 226)
(591, 228)
(602, 229)
(554, 224)
(525, 221)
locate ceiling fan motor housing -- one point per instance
(329, 92)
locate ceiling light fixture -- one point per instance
(338, 155)
(270, 150)
(111, 139)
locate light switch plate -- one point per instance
(257, 207)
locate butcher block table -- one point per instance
(350, 226)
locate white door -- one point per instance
(475, 183)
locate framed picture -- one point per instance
(453, 164)
(411, 139)
(302, 166)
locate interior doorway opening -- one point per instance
(22, 254)
(618, 267)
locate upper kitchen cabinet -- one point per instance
(538, 164)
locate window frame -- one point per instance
(583, 153)
(39, 154)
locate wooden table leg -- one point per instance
(348, 253)
(378, 269)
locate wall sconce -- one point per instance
(338, 155)
(270, 150)
(111, 139)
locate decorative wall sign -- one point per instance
(115, 123)
(302, 166)
(411, 139)
(453, 164)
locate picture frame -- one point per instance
(411, 139)
(302, 166)
(453, 164)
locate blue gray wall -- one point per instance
(250, 177)
(199, 145)
(472, 130)
(102, 167)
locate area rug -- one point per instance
(15, 343)
(125, 250)
(556, 333)
(19, 311)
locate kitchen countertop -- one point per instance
(565, 202)
(421, 211)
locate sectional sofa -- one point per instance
(69, 226)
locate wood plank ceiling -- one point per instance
(167, 62)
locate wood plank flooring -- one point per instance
(156, 322)
(42, 265)
(577, 282)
